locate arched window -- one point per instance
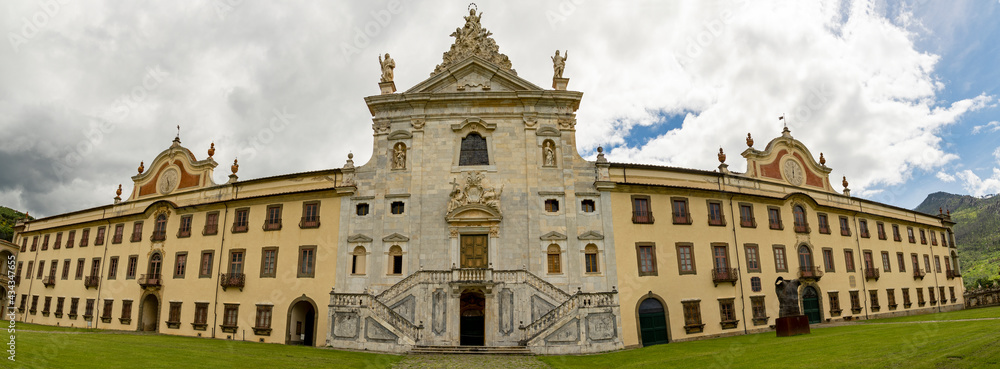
(160, 228)
(590, 259)
(799, 215)
(554, 265)
(474, 151)
(155, 262)
(395, 260)
(805, 257)
(358, 261)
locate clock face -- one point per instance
(168, 181)
(793, 172)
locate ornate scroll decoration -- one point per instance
(476, 190)
(473, 39)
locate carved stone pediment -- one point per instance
(395, 237)
(400, 135)
(474, 213)
(553, 236)
(359, 238)
(476, 195)
(548, 131)
(591, 235)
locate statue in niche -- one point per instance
(387, 66)
(559, 64)
(399, 156)
(788, 297)
(549, 153)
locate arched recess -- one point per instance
(149, 313)
(811, 301)
(302, 322)
(639, 321)
(804, 253)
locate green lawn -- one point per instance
(944, 344)
(990, 312)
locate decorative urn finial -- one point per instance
(940, 211)
(749, 140)
(236, 166)
(844, 182)
(142, 167)
(722, 156)
(822, 160)
(211, 150)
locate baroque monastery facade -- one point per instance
(476, 222)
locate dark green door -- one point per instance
(652, 322)
(810, 305)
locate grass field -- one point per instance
(925, 341)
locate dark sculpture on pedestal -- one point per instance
(790, 320)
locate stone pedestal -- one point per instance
(387, 87)
(560, 83)
(791, 325)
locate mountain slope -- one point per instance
(977, 232)
(8, 217)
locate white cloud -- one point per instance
(978, 186)
(945, 177)
(991, 126)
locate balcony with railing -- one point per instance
(871, 274)
(812, 273)
(150, 280)
(919, 273)
(232, 280)
(91, 281)
(273, 224)
(309, 222)
(642, 217)
(159, 235)
(725, 275)
(952, 274)
(49, 281)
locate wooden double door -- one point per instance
(475, 251)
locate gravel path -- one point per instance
(469, 361)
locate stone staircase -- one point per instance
(470, 350)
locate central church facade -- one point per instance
(477, 223)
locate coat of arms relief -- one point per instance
(475, 190)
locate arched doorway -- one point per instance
(149, 314)
(652, 322)
(301, 328)
(810, 304)
(472, 327)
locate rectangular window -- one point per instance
(647, 258)
(588, 206)
(175, 312)
(126, 309)
(641, 211)
(937, 265)
(552, 260)
(828, 259)
(780, 261)
(89, 311)
(84, 237)
(65, 272)
(951, 291)
(759, 310)
(119, 233)
(927, 263)
(920, 297)
(80, 264)
(99, 239)
(236, 261)
(109, 305)
(263, 320)
(58, 243)
(74, 305)
(890, 297)
(873, 294)
(27, 274)
(680, 211)
(753, 258)
(62, 301)
(310, 215)
(944, 240)
(845, 227)
(774, 217)
(269, 262)
(906, 297)
(909, 235)
(200, 313)
(185, 229)
(941, 290)
(885, 262)
(399, 207)
(41, 269)
(307, 261)
(746, 216)
(692, 315)
(136, 232)
(361, 209)
(205, 267)
(895, 233)
(881, 230)
(272, 219)
(902, 264)
(590, 261)
(70, 238)
(930, 293)
(824, 223)
(133, 266)
(727, 311)
(685, 258)
(720, 256)
(34, 243)
(241, 220)
(45, 243)
(933, 238)
(211, 224)
(834, 303)
(397, 264)
(923, 237)
(863, 224)
(855, 302)
(112, 267)
(715, 216)
(916, 264)
(230, 317)
(180, 264)
(849, 260)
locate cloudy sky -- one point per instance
(902, 97)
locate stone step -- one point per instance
(471, 350)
